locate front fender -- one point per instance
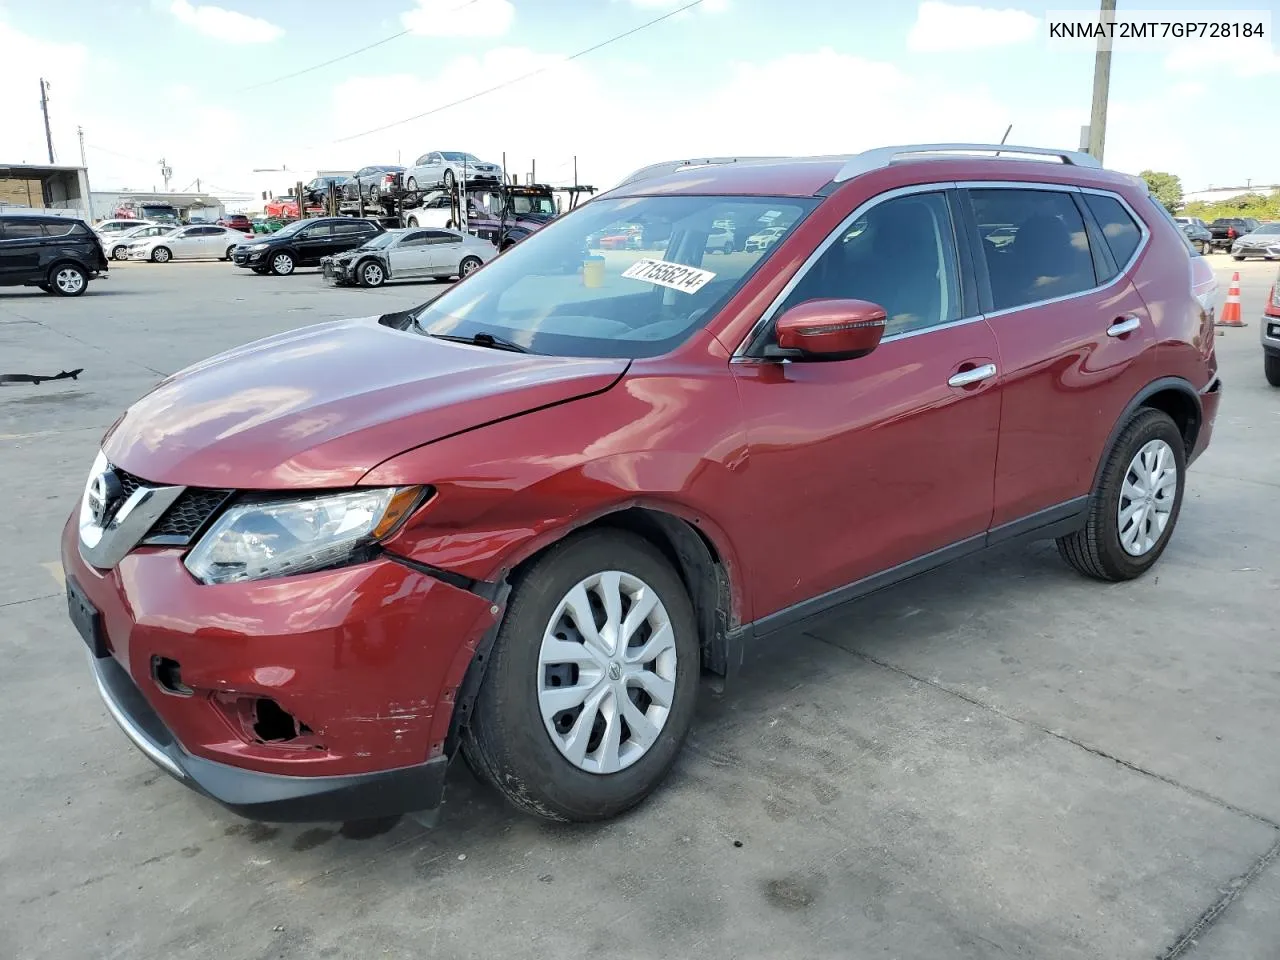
(509, 490)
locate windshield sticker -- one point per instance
(674, 275)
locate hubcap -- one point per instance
(373, 273)
(69, 281)
(1146, 497)
(468, 266)
(607, 672)
(284, 264)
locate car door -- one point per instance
(410, 256)
(444, 252)
(349, 234)
(184, 244)
(211, 241)
(314, 242)
(21, 240)
(863, 465)
(1072, 331)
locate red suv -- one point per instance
(520, 520)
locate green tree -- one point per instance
(1165, 187)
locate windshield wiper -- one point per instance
(483, 339)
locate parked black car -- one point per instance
(1197, 232)
(57, 254)
(317, 191)
(304, 243)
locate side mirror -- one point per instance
(828, 330)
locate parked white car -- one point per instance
(201, 242)
(116, 245)
(405, 254)
(447, 167)
(109, 228)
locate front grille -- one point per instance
(187, 516)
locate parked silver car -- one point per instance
(447, 167)
(116, 245)
(1263, 242)
(404, 254)
(200, 242)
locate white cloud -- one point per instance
(225, 25)
(23, 61)
(459, 18)
(1242, 58)
(944, 27)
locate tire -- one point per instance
(371, 274)
(117, 253)
(230, 251)
(161, 255)
(67, 280)
(373, 196)
(282, 264)
(1096, 550)
(412, 185)
(46, 288)
(413, 221)
(1236, 258)
(260, 271)
(448, 180)
(509, 743)
(469, 265)
(1271, 367)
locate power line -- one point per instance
(122, 156)
(345, 56)
(525, 76)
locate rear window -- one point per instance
(1121, 233)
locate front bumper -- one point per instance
(336, 271)
(266, 796)
(248, 258)
(1251, 250)
(1270, 331)
(319, 696)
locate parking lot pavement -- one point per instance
(996, 759)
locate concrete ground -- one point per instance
(1000, 759)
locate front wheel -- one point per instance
(412, 185)
(68, 280)
(469, 266)
(1135, 507)
(282, 264)
(371, 274)
(592, 680)
(448, 180)
(117, 253)
(161, 255)
(1271, 367)
(1236, 258)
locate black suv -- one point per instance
(57, 254)
(304, 243)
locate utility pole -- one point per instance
(166, 172)
(80, 134)
(44, 108)
(197, 184)
(1101, 85)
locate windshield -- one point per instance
(1268, 228)
(158, 212)
(524, 204)
(575, 288)
(381, 240)
(290, 229)
(459, 157)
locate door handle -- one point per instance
(966, 377)
(1124, 325)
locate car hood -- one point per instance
(321, 406)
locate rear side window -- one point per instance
(1162, 212)
(1035, 245)
(59, 228)
(352, 229)
(1121, 233)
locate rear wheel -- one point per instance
(230, 251)
(592, 681)
(1271, 367)
(67, 280)
(1135, 507)
(412, 185)
(448, 180)
(469, 266)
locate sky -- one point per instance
(207, 88)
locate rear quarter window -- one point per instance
(1162, 213)
(1121, 233)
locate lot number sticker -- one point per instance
(674, 275)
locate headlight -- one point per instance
(278, 538)
(257, 246)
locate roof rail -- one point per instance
(671, 166)
(879, 157)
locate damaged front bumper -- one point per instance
(265, 796)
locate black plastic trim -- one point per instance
(744, 643)
(267, 796)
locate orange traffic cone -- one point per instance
(1231, 309)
